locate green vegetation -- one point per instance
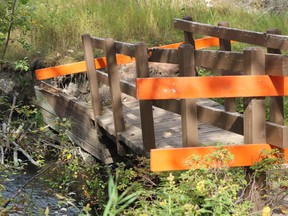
(51, 31)
(53, 28)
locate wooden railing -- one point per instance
(256, 75)
(252, 74)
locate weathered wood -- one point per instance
(168, 125)
(276, 32)
(231, 62)
(114, 84)
(120, 47)
(188, 106)
(254, 108)
(211, 113)
(125, 48)
(163, 55)
(276, 103)
(225, 45)
(277, 135)
(188, 36)
(250, 37)
(146, 111)
(125, 86)
(53, 103)
(115, 91)
(93, 82)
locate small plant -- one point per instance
(22, 65)
(117, 203)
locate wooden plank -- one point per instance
(115, 92)
(178, 158)
(211, 87)
(231, 62)
(125, 86)
(250, 37)
(98, 43)
(254, 108)
(114, 84)
(276, 104)
(188, 106)
(218, 117)
(146, 111)
(92, 77)
(225, 45)
(124, 48)
(277, 135)
(60, 105)
(188, 36)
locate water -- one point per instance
(35, 198)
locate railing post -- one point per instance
(188, 36)
(276, 103)
(188, 106)
(115, 91)
(225, 45)
(146, 110)
(254, 108)
(92, 76)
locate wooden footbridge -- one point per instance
(174, 117)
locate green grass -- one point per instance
(57, 25)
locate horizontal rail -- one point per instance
(250, 37)
(199, 44)
(180, 158)
(230, 62)
(211, 87)
(126, 87)
(78, 67)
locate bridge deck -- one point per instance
(167, 128)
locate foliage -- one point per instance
(204, 190)
(117, 203)
(15, 18)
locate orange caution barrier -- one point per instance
(211, 87)
(78, 67)
(180, 158)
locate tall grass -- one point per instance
(58, 24)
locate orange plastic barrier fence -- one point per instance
(211, 87)
(180, 158)
(79, 67)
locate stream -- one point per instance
(35, 197)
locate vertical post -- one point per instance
(276, 103)
(92, 77)
(188, 106)
(254, 108)
(188, 36)
(115, 91)
(225, 45)
(146, 110)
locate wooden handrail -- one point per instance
(250, 37)
(126, 49)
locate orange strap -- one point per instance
(199, 43)
(211, 87)
(180, 158)
(78, 67)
